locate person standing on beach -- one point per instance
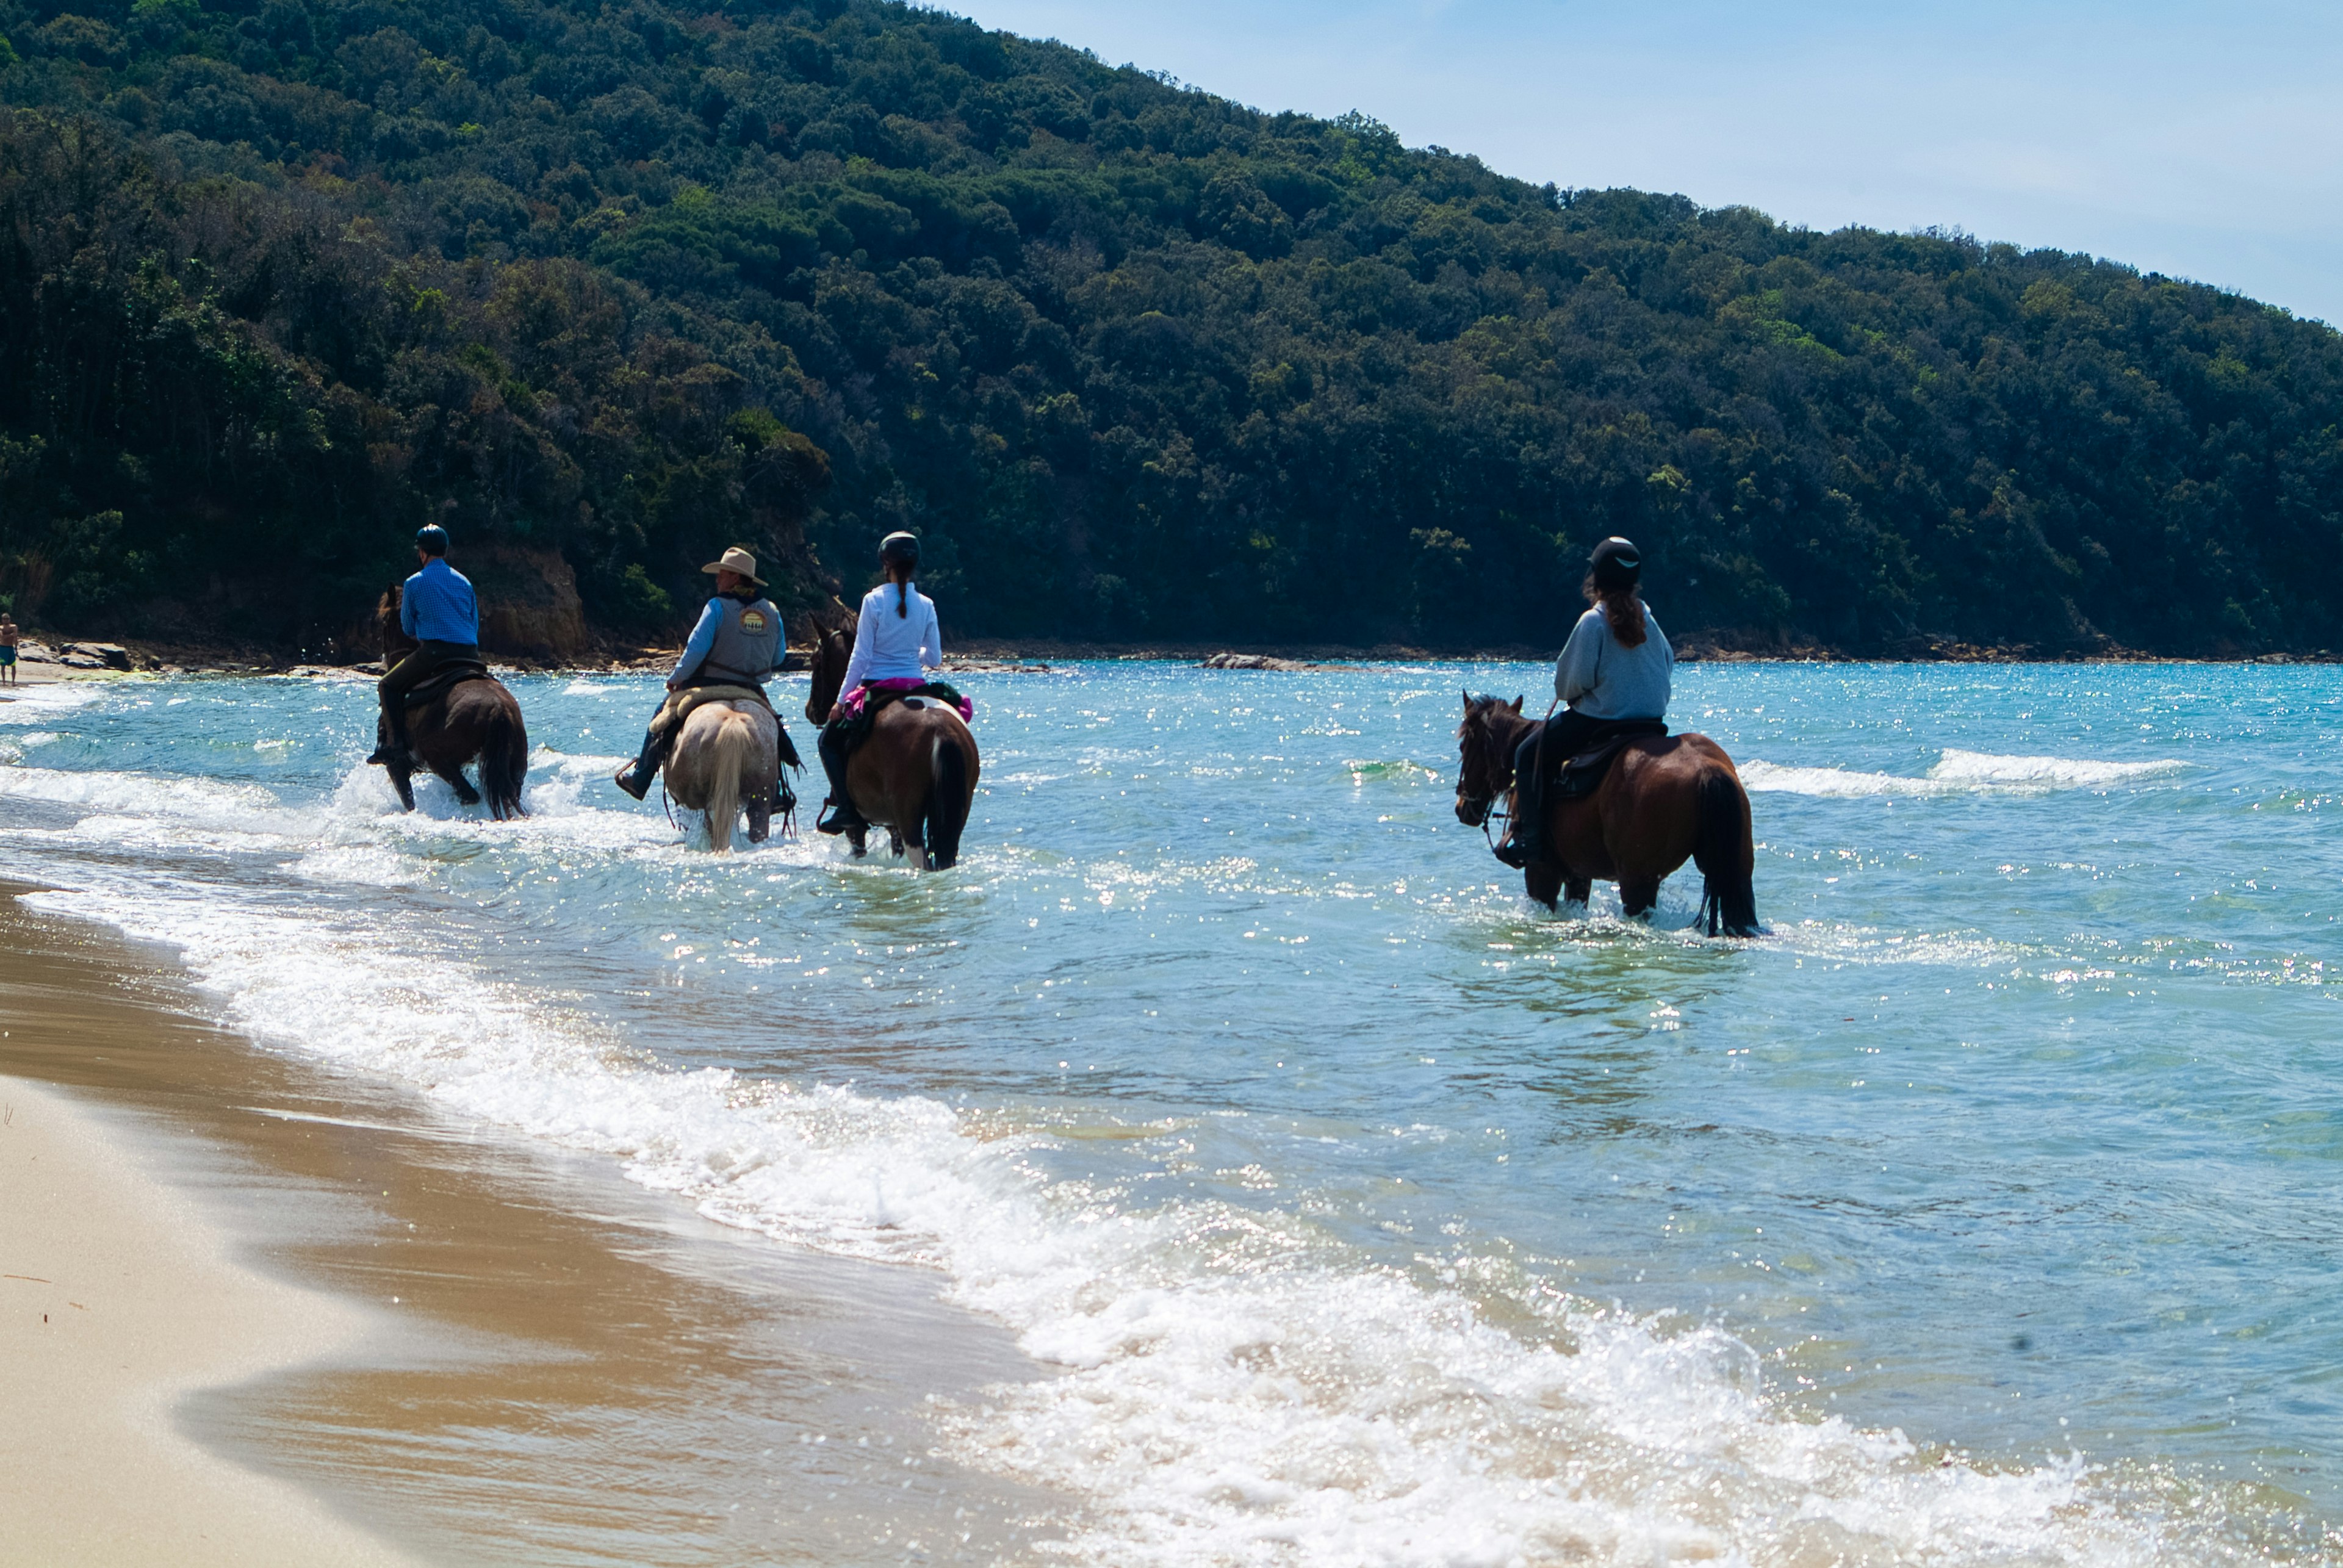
(439, 609)
(7, 647)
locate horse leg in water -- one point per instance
(1638, 896)
(454, 775)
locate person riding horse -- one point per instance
(896, 640)
(738, 642)
(438, 607)
(1614, 671)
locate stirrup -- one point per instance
(836, 819)
(1512, 853)
(391, 755)
(634, 779)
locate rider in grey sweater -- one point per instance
(1604, 680)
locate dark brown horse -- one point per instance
(1666, 799)
(472, 721)
(914, 774)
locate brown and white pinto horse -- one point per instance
(475, 719)
(914, 774)
(1666, 799)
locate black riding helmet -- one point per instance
(1616, 563)
(431, 539)
(900, 547)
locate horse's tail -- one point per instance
(948, 801)
(729, 752)
(504, 760)
(1725, 853)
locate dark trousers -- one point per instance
(407, 674)
(1540, 758)
(832, 744)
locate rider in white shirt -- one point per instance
(896, 640)
(895, 633)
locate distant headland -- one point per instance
(603, 289)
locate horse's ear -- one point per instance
(1517, 705)
(1468, 697)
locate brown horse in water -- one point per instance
(1666, 799)
(914, 774)
(473, 719)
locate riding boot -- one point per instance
(391, 750)
(840, 814)
(1525, 839)
(636, 777)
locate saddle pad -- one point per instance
(679, 706)
(1583, 774)
(443, 679)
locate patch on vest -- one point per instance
(752, 621)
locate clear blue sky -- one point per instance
(2203, 140)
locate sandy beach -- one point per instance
(320, 1324)
(121, 1296)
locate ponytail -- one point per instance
(902, 599)
(1623, 611)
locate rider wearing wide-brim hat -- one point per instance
(1616, 668)
(438, 608)
(737, 641)
(896, 639)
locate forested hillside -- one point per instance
(604, 287)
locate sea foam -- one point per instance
(1954, 773)
(1236, 1386)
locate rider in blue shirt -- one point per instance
(738, 642)
(438, 607)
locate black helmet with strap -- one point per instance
(901, 547)
(431, 539)
(1616, 563)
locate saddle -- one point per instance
(679, 704)
(446, 679)
(1582, 775)
(856, 726)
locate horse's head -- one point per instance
(395, 644)
(832, 648)
(1484, 744)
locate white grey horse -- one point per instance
(726, 756)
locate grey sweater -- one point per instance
(1598, 677)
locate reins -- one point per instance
(1490, 815)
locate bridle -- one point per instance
(1485, 807)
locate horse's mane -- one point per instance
(1479, 703)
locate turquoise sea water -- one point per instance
(1983, 1211)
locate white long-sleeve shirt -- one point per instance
(889, 646)
(1596, 676)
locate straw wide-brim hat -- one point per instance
(736, 559)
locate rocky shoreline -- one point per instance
(72, 659)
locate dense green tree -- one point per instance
(624, 280)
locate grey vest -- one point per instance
(748, 646)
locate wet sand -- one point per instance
(116, 1298)
(371, 1332)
